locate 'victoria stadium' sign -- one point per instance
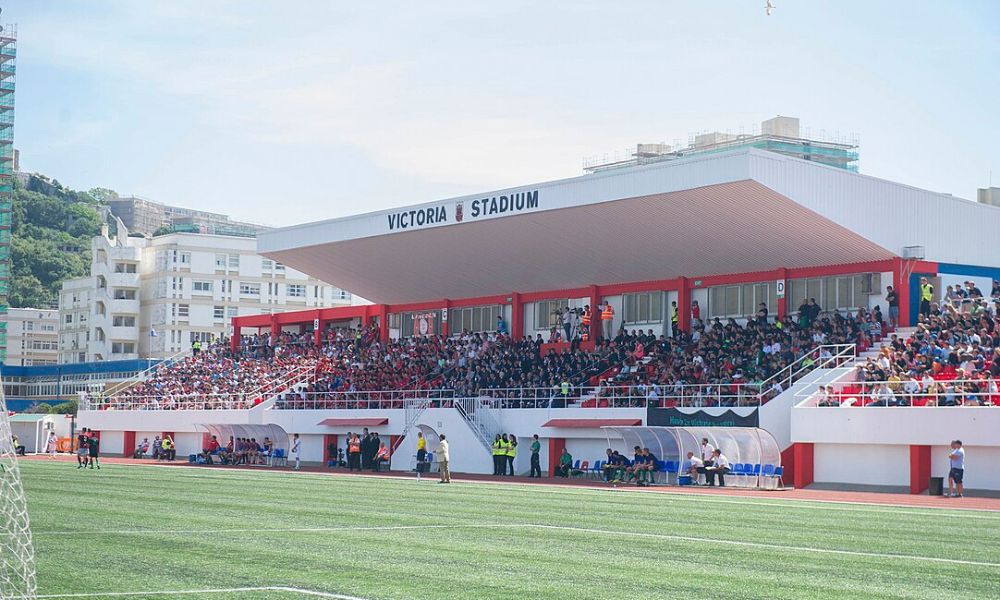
(485, 207)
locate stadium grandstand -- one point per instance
(741, 288)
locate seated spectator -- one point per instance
(381, 457)
(692, 466)
(565, 467)
(719, 468)
(212, 449)
(18, 446)
(141, 449)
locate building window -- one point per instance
(296, 291)
(234, 261)
(267, 264)
(122, 347)
(123, 321)
(202, 286)
(548, 313)
(182, 310)
(473, 319)
(738, 301)
(218, 313)
(232, 311)
(249, 289)
(646, 307)
(279, 267)
(124, 268)
(124, 294)
(204, 337)
(841, 292)
(68, 319)
(220, 261)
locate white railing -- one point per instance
(479, 415)
(907, 393)
(145, 373)
(828, 356)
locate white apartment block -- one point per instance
(32, 336)
(153, 297)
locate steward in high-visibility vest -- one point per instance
(354, 453)
(926, 295)
(585, 319)
(607, 316)
(499, 454)
(511, 454)
(608, 313)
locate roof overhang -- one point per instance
(696, 217)
(362, 422)
(591, 423)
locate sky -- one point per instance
(280, 112)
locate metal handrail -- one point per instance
(144, 374)
(908, 393)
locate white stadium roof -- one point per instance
(735, 212)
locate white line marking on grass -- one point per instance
(270, 588)
(685, 538)
(661, 536)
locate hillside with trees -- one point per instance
(52, 227)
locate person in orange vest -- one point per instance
(381, 456)
(585, 321)
(607, 321)
(354, 453)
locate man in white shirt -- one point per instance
(707, 452)
(443, 456)
(692, 465)
(719, 468)
(296, 450)
(956, 472)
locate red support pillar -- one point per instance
(781, 311)
(234, 340)
(128, 444)
(556, 447)
(595, 320)
(920, 468)
(516, 316)
(684, 304)
(803, 464)
(275, 326)
(382, 312)
(330, 438)
(444, 317)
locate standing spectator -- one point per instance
(354, 453)
(674, 323)
(157, 447)
(607, 321)
(567, 324)
(695, 312)
(195, 347)
(501, 325)
(511, 453)
(926, 296)
(443, 458)
(366, 449)
(421, 447)
(52, 444)
(536, 465)
(956, 472)
(892, 298)
(499, 452)
(93, 446)
(296, 451)
(707, 453)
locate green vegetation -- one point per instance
(51, 232)
(173, 528)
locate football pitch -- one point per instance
(200, 534)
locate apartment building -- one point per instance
(32, 337)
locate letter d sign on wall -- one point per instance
(779, 287)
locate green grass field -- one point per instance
(148, 529)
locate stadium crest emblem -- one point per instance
(458, 212)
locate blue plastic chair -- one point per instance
(778, 472)
(768, 471)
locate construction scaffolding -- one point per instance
(8, 56)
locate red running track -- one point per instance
(878, 498)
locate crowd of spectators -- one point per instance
(716, 363)
(951, 359)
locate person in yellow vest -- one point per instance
(195, 347)
(607, 321)
(674, 318)
(926, 296)
(504, 449)
(585, 322)
(511, 454)
(499, 452)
